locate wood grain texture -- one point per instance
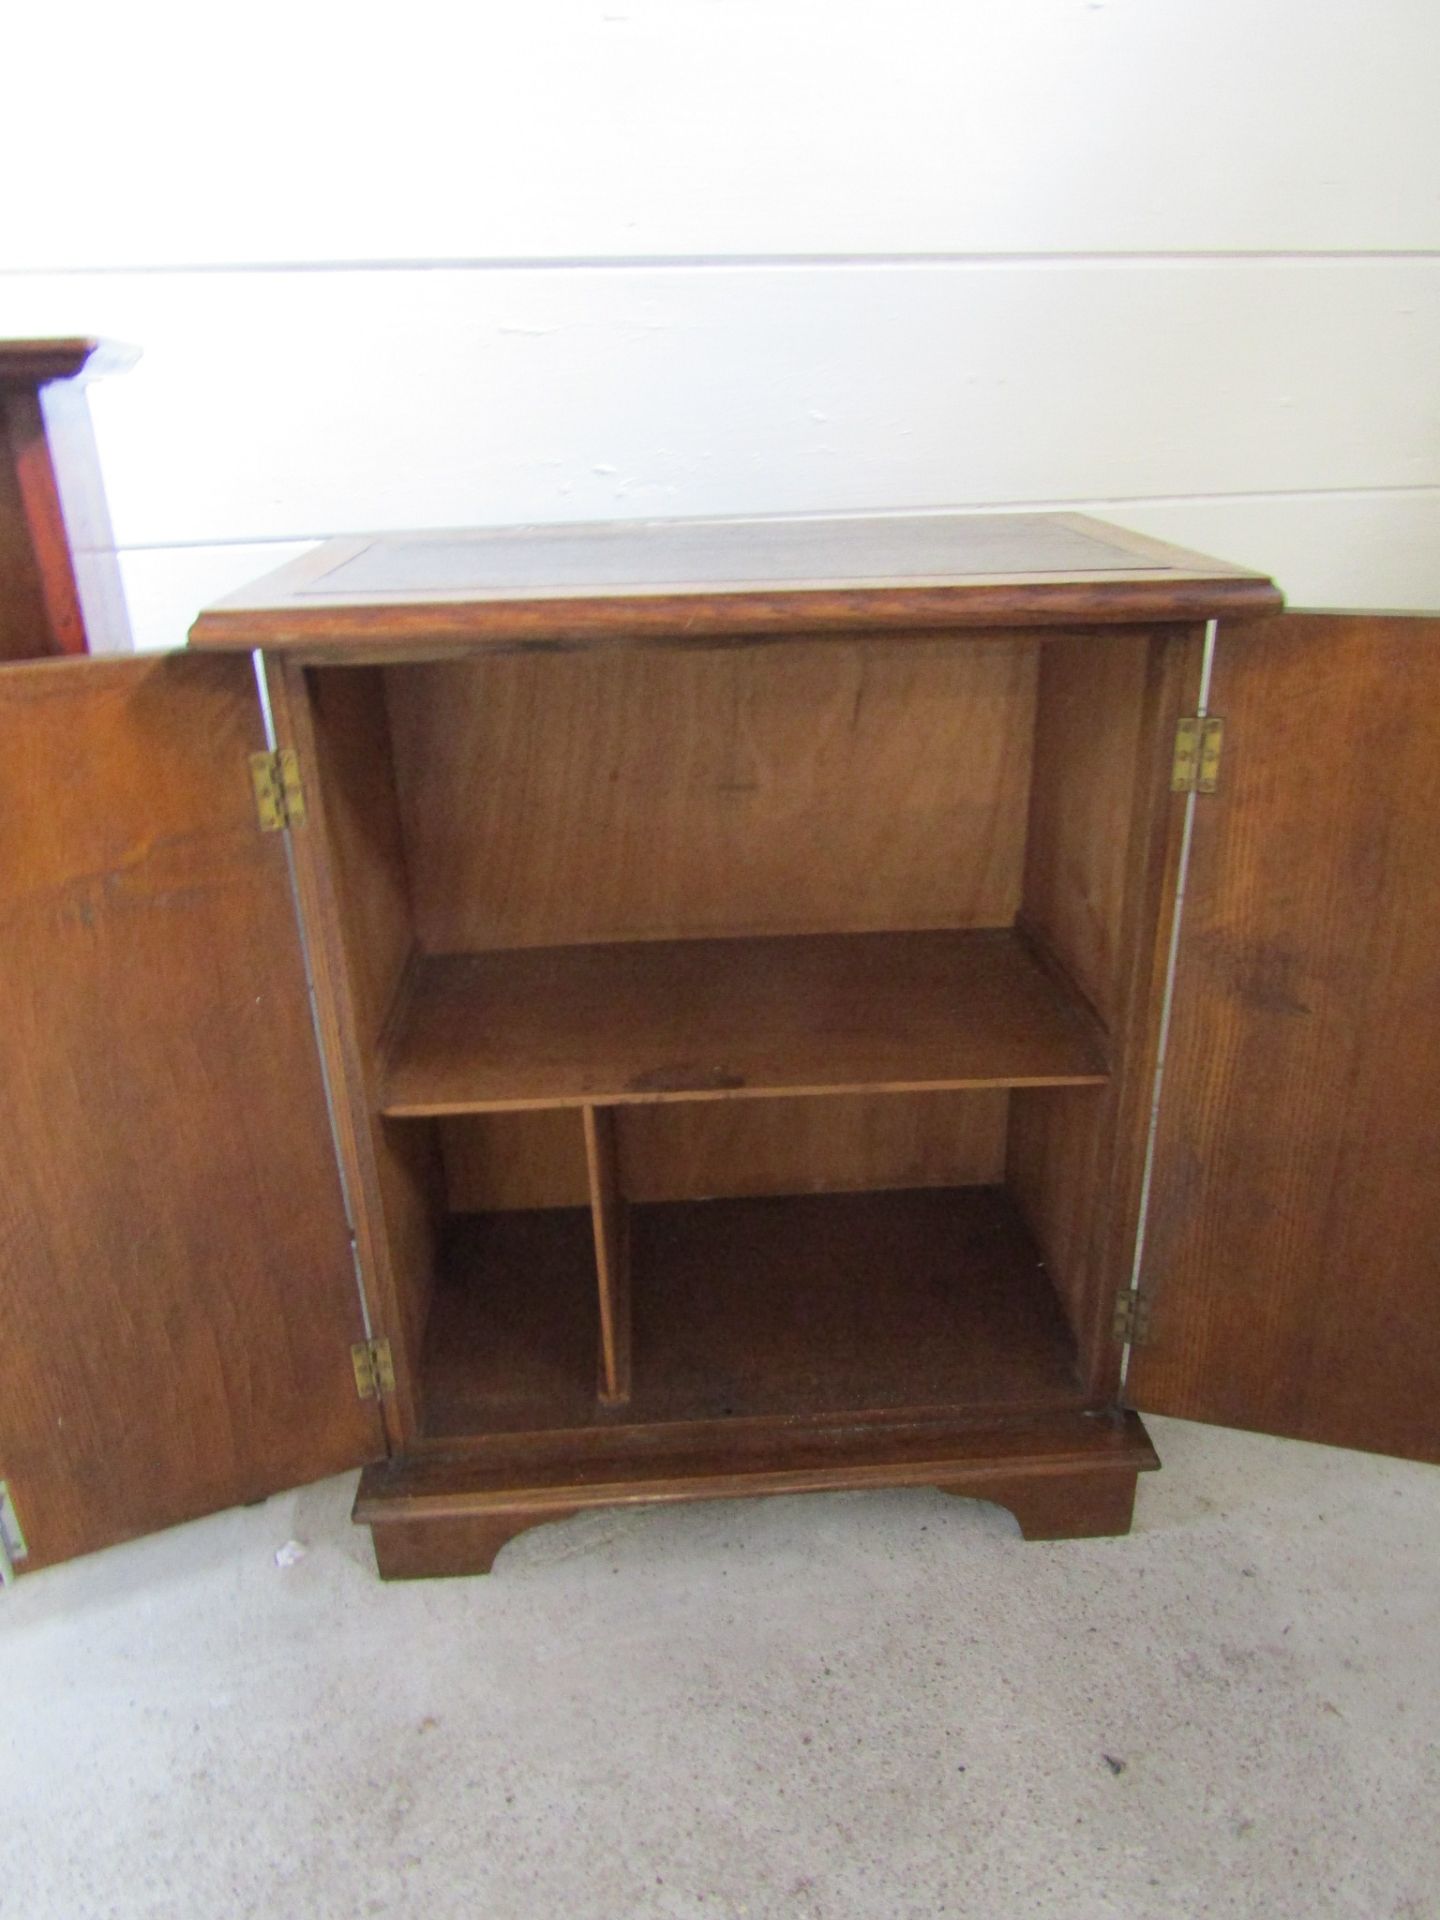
(428, 1549)
(511, 1162)
(856, 1143)
(1373, 550)
(719, 1149)
(1063, 1475)
(610, 1226)
(1052, 1157)
(801, 789)
(1089, 712)
(1075, 1503)
(743, 1309)
(728, 1019)
(1103, 913)
(1293, 1256)
(25, 629)
(79, 490)
(693, 581)
(350, 750)
(179, 1288)
(354, 904)
(60, 589)
(34, 494)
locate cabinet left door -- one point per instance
(177, 1291)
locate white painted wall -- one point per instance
(1174, 261)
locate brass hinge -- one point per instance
(1131, 1323)
(279, 796)
(12, 1537)
(374, 1369)
(1196, 766)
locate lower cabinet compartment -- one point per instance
(670, 1341)
(792, 1306)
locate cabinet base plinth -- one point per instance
(1084, 1505)
(1069, 1476)
(423, 1549)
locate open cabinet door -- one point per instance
(1292, 1262)
(175, 1265)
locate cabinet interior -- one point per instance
(737, 1032)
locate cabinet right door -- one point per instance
(1292, 1258)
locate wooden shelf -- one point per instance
(714, 1019)
(799, 1307)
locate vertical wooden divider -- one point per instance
(612, 1254)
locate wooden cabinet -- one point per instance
(744, 957)
(60, 589)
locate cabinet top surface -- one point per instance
(676, 580)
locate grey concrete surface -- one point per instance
(841, 1706)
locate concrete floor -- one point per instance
(849, 1705)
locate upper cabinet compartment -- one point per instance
(731, 808)
(668, 874)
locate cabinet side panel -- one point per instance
(351, 748)
(355, 896)
(179, 1290)
(410, 1181)
(1052, 1164)
(669, 794)
(1089, 709)
(1293, 1255)
(840, 1144)
(1102, 863)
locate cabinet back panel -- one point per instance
(840, 1144)
(651, 795)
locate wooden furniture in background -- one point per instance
(60, 589)
(739, 957)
